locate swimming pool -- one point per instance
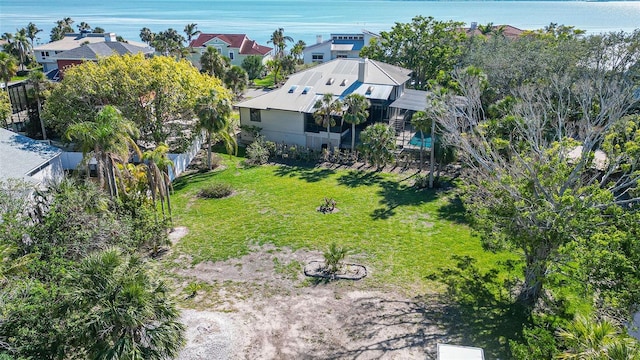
(416, 140)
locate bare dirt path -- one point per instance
(261, 306)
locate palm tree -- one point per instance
(191, 30)
(8, 68)
(146, 35)
(214, 114)
(378, 143)
(356, 113)
(122, 310)
(38, 81)
(486, 29)
(22, 45)
(108, 139)
(279, 41)
(84, 27)
(32, 32)
(586, 339)
(158, 166)
(422, 122)
(213, 63)
(274, 65)
(325, 109)
(297, 49)
(236, 80)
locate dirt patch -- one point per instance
(261, 306)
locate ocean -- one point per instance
(304, 19)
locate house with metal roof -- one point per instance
(93, 52)
(46, 53)
(236, 47)
(29, 160)
(286, 114)
(339, 46)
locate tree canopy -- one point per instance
(157, 94)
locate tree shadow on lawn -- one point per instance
(192, 178)
(308, 174)
(355, 178)
(395, 194)
(454, 211)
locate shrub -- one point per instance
(216, 191)
(258, 152)
(333, 257)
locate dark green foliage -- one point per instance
(253, 66)
(333, 257)
(537, 343)
(328, 206)
(216, 191)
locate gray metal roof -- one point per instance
(102, 49)
(415, 100)
(338, 77)
(20, 155)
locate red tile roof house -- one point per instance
(236, 47)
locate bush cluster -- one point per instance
(216, 191)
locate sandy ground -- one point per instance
(261, 306)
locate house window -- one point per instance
(45, 53)
(254, 115)
(230, 55)
(341, 56)
(219, 49)
(317, 57)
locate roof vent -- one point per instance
(344, 82)
(330, 81)
(306, 90)
(292, 89)
(369, 90)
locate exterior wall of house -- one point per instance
(278, 125)
(323, 50)
(52, 171)
(237, 58)
(225, 50)
(47, 59)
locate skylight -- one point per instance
(330, 81)
(306, 89)
(369, 90)
(344, 82)
(292, 89)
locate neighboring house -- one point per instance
(46, 53)
(23, 158)
(508, 31)
(340, 46)
(93, 52)
(286, 114)
(236, 47)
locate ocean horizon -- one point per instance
(305, 19)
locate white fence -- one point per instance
(71, 160)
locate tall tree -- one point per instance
(324, 111)
(8, 68)
(158, 167)
(22, 46)
(32, 32)
(62, 27)
(214, 114)
(213, 63)
(252, 64)
(38, 80)
(169, 42)
(191, 30)
(552, 187)
(84, 27)
(356, 113)
(297, 49)
(279, 41)
(422, 122)
(427, 46)
(236, 80)
(378, 143)
(109, 139)
(146, 35)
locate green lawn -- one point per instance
(401, 233)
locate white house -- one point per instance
(286, 114)
(27, 159)
(339, 46)
(236, 47)
(46, 53)
(455, 352)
